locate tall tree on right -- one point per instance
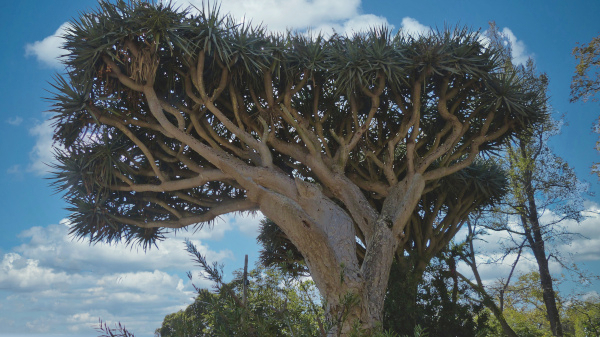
(586, 81)
(540, 184)
(543, 193)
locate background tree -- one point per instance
(525, 310)
(583, 316)
(586, 81)
(541, 184)
(524, 306)
(483, 293)
(170, 118)
(277, 305)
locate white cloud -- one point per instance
(326, 16)
(24, 274)
(42, 153)
(353, 25)
(53, 247)
(591, 296)
(49, 50)
(15, 121)
(248, 224)
(519, 52)
(71, 284)
(279, 15)
(586, 245)
(414, 28)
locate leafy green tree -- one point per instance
(276, 306)
(586, 81)
(583, 316)
(539, 183)
(524, 308)
(169, 118)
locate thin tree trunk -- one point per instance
(487, 300)
(537, 246)
(531, 225)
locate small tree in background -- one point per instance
(586, 81)
(276, 305)
(169, 118)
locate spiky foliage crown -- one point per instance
(191, 57)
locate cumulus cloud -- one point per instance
(280, 15)
(353, 25)
(42, 153)
(49, 50)
(585, 246)
(51, 283)
(414, 28)
(52, 247)
(519, 52)
(325, 16)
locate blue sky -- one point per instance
(52, 285)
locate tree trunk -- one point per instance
(534, 236)
(324, 233)
(536, 242)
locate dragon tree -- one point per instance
(168, 118)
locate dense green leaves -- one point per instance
(276, 305)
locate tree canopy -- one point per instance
(586, 81)
(170, 117)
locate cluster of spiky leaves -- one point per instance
(112, 142)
